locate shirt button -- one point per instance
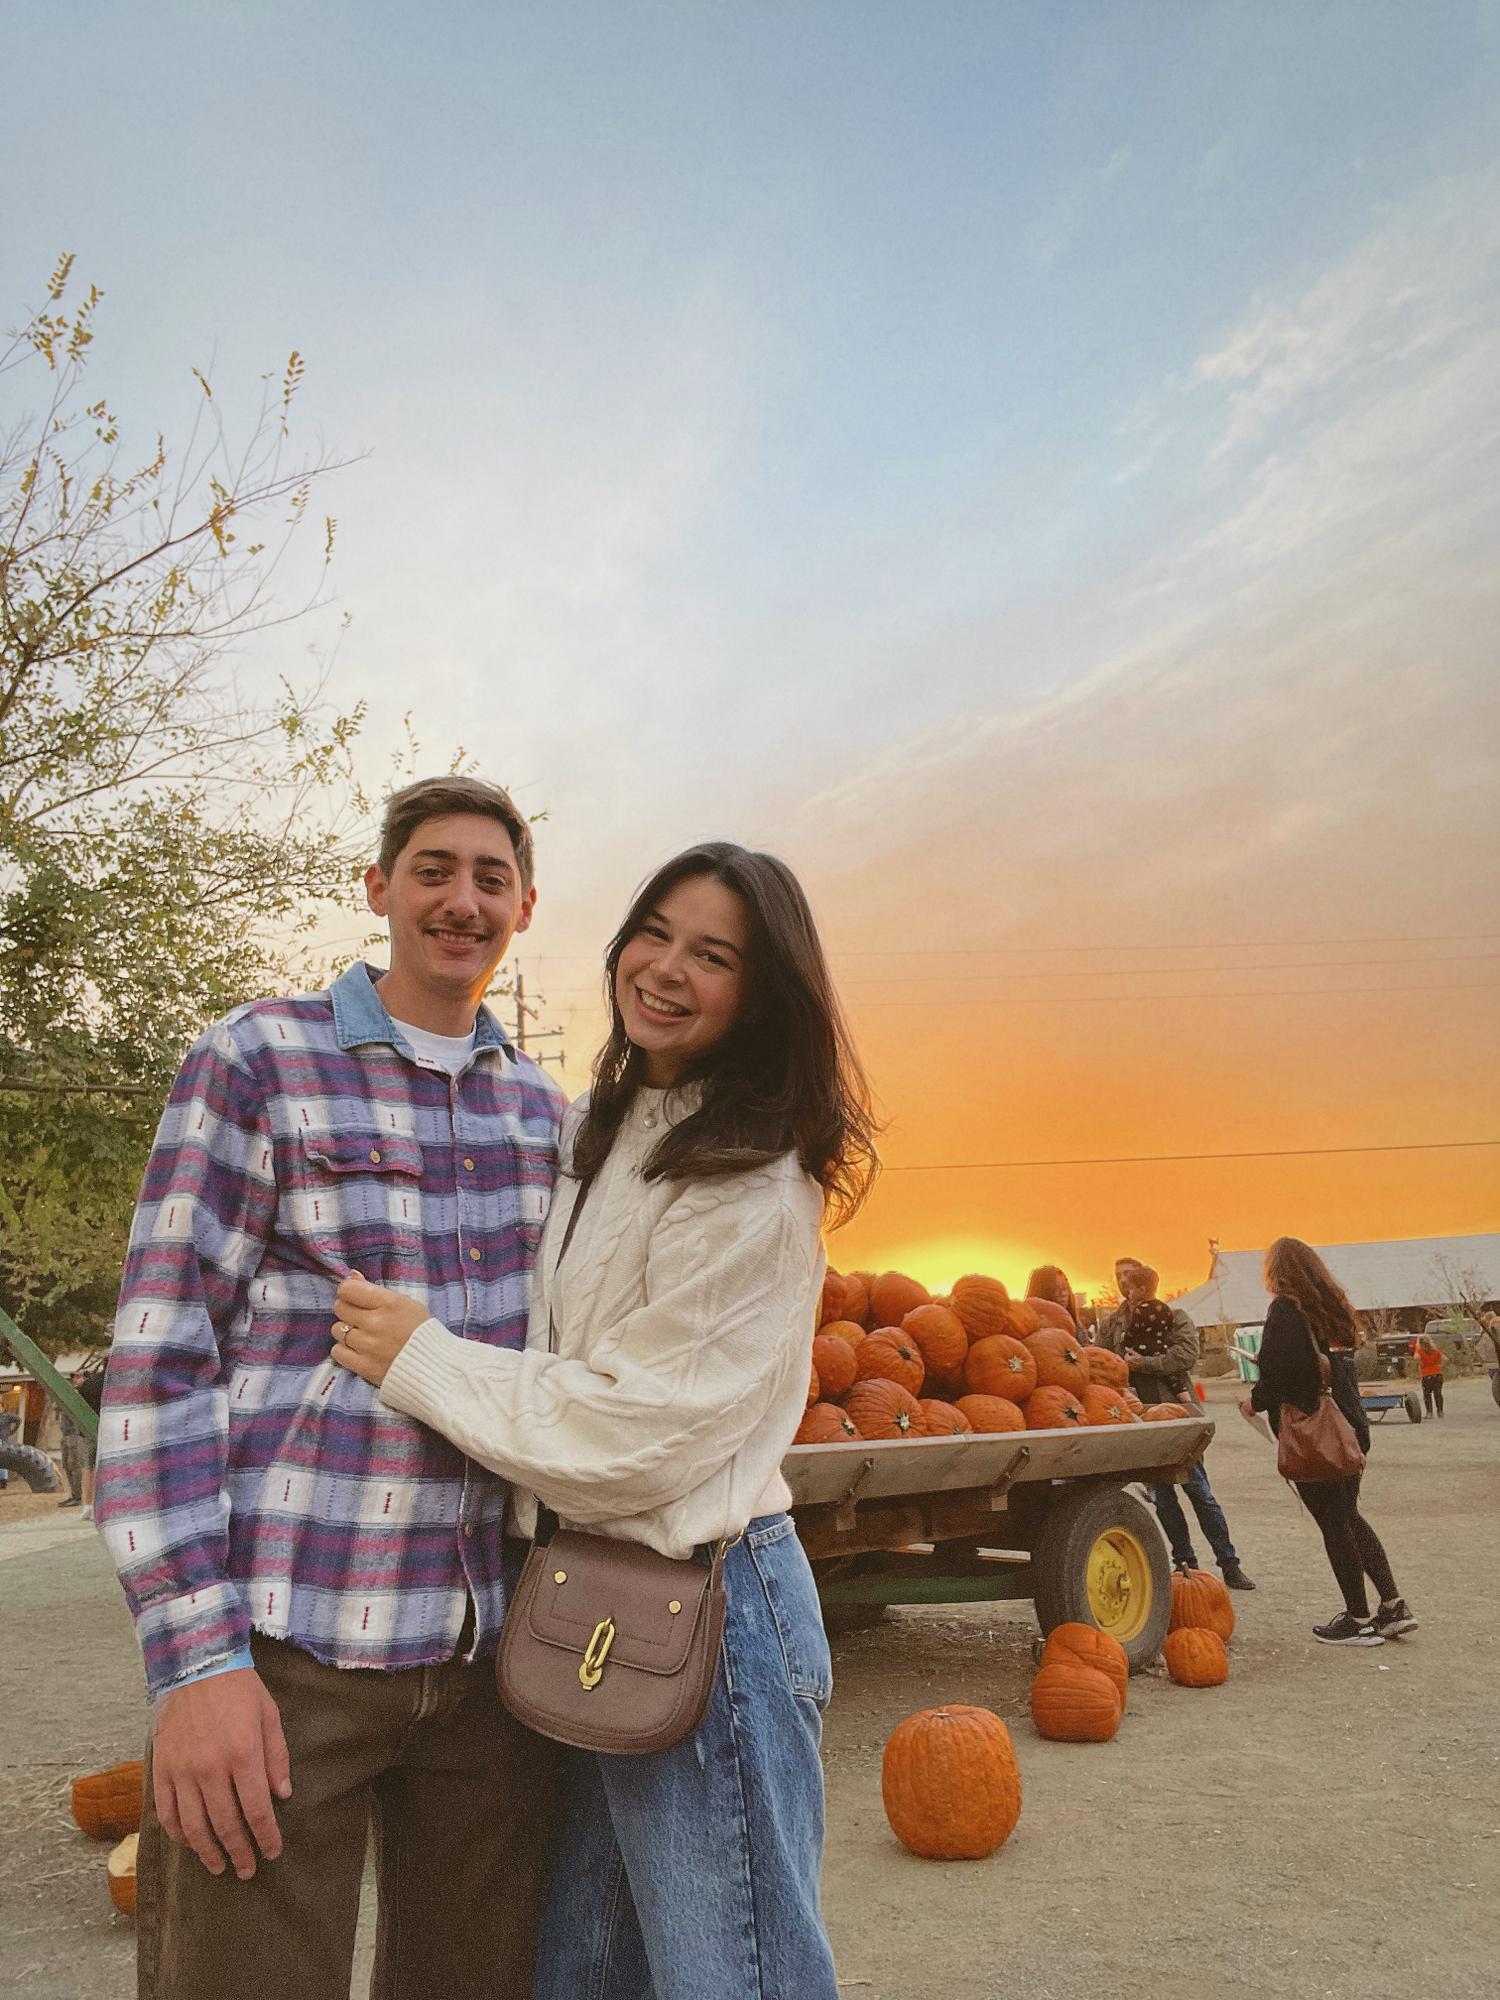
(468, 1166)
(473, 1256)
(374, 1156)
(649, 1120)
(468, 1527)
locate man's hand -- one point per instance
(373, 1326)
(217, 1756)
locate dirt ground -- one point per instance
(1327, 1824)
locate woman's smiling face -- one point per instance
(680, 980)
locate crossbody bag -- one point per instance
(608, 1645)
(1317, 1447)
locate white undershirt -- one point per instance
(449, 1052)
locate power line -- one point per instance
(1022, 950)
(1048, 998)
(1158, 1159)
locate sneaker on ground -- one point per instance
(1391, 1620)
(1347, 1631)
(1235, 1578)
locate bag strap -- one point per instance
(1325, 1366)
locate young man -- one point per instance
(316, 1580)
(1160, 1376)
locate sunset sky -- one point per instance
(1037, 467)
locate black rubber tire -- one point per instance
(1059, 1564)
(1413, 1410)
(34, 1467)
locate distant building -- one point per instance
(1406, 1278)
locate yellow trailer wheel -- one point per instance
(1099, 1557)
(1119, 1585)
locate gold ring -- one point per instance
(340, 1328)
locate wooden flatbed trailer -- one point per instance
(1038, 1514)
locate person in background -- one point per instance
(1160, 1359)
(80, 1449)
(317, 1581)
(1491, 1325)
(1050, 1281)
(1430, 1366)
(1310, 1313)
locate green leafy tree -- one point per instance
(167, 841)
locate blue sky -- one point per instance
(1035, 465)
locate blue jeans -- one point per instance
(692, 1873)
(1210, 1519)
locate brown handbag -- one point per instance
(608, 1645)
(1320, 1446)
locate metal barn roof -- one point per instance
(1411, 1271)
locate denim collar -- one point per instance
(359, 1017)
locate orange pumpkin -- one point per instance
(1049, 1313)
(884, 1410)
(814, 1386)
(1105, 1406)
(945, 1384)
(834, 1360)
(1108, 1368)
(1021, 1320)
(939, 1334)
(1196, 1658)
(107, 1804)
(893, 1295)
(825, 1423)
(1059, 1360)
(1133, 1402)
(845, 1330)
(1000, 1366)
(1074, 1703)
(949, 1780)
(888, 1356)
(1202, 1601)
(857, 1296)
(981, 1305)
(1052, 1409)
(991, 1414)
(1090, 1648)
(831, 1302)
(121, 1871)
(1165, 1413)
(942, 1419)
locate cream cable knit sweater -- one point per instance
(684, 1315)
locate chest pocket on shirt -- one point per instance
(362, 1190)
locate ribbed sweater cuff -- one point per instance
(426, 1379)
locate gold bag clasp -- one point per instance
(596, 1653)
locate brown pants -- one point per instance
(461, 1799)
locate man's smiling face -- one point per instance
(454, 901)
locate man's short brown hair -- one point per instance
(434, 798)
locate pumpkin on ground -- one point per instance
(943, 1419)
(107, 1804)
(1202, 1601)
(950, 1783)
(846, 1330)
(1059, 1360)
(1000, 1366)
(1049, 1313)
(884, 1410)
(1165, 1413)
(1090, 1648)
(121, 1868)
(1109, 1368)
(825, 1423)
(1105, 1406)
(893, 1295)
(1052, 1409)
(991, 1414)
(939, 1334)
(888, 1356)
(834, 1360)
(1196, 1658)
(1074, 1703)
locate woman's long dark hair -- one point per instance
(1295, 1271)
(785, 1078)
(1047, 1275)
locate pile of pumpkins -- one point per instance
(949, 1779)
(107, 1805)
(891, 1361)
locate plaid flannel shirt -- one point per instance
(246, 1481)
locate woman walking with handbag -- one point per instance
(665, 1371)
(1308, 1390)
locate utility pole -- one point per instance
(526, 1013)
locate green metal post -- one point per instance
(57, 1386)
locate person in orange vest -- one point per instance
(1430, 1362)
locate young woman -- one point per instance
(727, 1120)
(1310, 1313)
(1050, 1281)
(1430, 1365)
